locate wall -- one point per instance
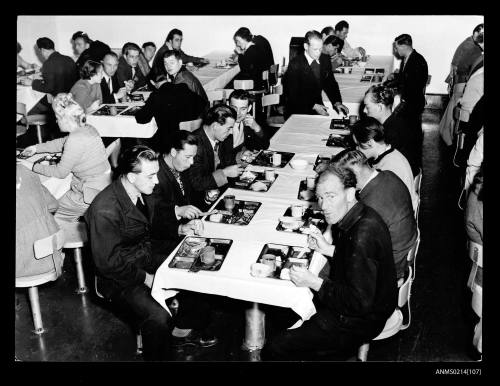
(435, 37)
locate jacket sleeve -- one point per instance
(146, 113)
(47, 84)
(200, 178)
(190, 59)
(356, 294)
(121, 75)
(164, 222)
(330, 84)
(256, 141)
(296, 104)
(81, 95)
(110, 256)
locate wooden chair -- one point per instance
(268, 101)
(190, 125)
(75, 234)
(37, 120)
(417, 183)
(245, 84)
(476, 255)
(412, 255)
(50, 245)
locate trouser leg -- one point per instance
(194, 310)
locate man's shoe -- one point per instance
(195, 338)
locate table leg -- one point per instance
(255, 334)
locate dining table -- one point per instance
(26, 94)
(234, 279)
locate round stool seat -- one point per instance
(37, 119)
(75, 234)
(32, 281)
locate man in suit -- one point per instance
(247, 134)
(149, 50)
(128, 71)
(170, 104)
(88, 49)
(254, 56)
(412, 75)
(111, 91)
(213, 164)
(307, 75)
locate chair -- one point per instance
(37, 120)
(395, 322)
(113, 151)
(190, 125)
(246, 84)
(75, 234)
(268, 101)
(273, 75)
(475, 283)
(418, 182)
(50, 245)
(216, 96)
(412, 255)
(459, 115)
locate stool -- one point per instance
(75, 234)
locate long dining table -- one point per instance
(234, 278)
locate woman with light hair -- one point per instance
(83, 154)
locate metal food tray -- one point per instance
(264, 158)
(52, 159)
(286, 257)
(310, 216)
(132, 110)
(241, 214)
(245, 184)
(303, 188)
(188, 254)
(342, 124)
(336, 140)
(104, 110)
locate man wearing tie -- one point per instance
(111, 92)
(213, 164)
(128, 68)
(307, 76)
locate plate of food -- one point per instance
(271, 158)
(132, 110)
(310, 221)
(282, 257)
(49, 159)
(110, 110)
(336, 140)
(240, 212)
(201, 253)
(253, 180)
(305, 193)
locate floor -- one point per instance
(83, 328)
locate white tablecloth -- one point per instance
(28, 96)
(213, 78)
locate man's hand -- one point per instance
(238, 50)
(233, 171)
(129, 85)
(320, 109)
(121, 93)
(318, 243)
(361, 51)
(188, 211)
(339, 106)
(302, 277)
(93, 107)
(149, 280)
(29, 151)
(193, 227)
(26, 81)
(249, 121)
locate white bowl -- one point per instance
(298, 164)
(260, 270)
(291, 222)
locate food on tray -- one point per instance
(306, 194)
(259, 187)
(248, 176)
(311, 228)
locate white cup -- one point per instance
(276, 159)
(297, 210)
(270, 175)
(311, 182)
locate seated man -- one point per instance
(355, 300)
(149, 50)
(177, 73)
(87, 49)
(327, 31)
(368, 133)
(213, 164)
(307, 75)
(119, 231)
(332, 46)
(110, 89)
(341, 31)
(173, 214)
(388, 195)
(128, 71)
(247, 133)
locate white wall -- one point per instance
(435, 37)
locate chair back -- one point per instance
(216, 96)
(278, 89)
(270, 99)
(190, 125)
(476, 253)
(273, 74)
(412, 254)
(21, 108)
(112, 146)
(405, 290)
(418, 181)
(51, 245)
(246, 84)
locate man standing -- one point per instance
(374, 189)
(120, 239)
(354, 302)
(412, 75)
(341, 31)
(128, 71)
(213, 164)
(307, 75)
(247, 133)
(111, 91)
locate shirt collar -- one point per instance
(212, 141)
(372, 176)
(133, 194)
(351, 217)
(309, 59)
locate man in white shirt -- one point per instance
(341, 31)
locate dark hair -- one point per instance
(341, 25)
(81, 35)
(89, 69)
(345, 175)
(181, 137)
(334, 41)
(219, 113)
(241, 95)
(45, 43)
(130, 160)
(148, 44)
(169, 53)
(173, 32)
(403, 39)
(130, 46)
(244, 33)
(110, 53)
(348, 157)
(368, 128)
(480, 38)
(327, 30)
(382, 94)
(19, 48)
(310, 35)
(478, 28)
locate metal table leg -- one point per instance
(255, 334)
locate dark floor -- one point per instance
(82, 328)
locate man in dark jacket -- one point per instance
(110, 89)
(169, 105)
(213, 164)
(385, 192)
(120, 240)
(59, 72)
(357, 297)
(307, 75)
(128, 68)
(88, 49)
